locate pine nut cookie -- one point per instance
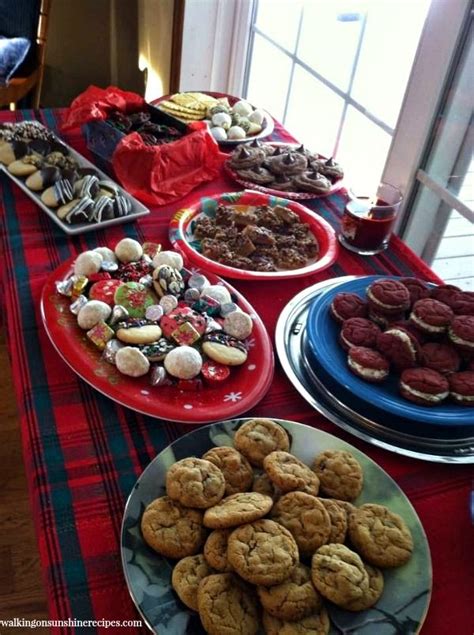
(380, 536)
(263, 552)
(315, 624)
(339, 574)
(195, 483)
(306, 519)
(290, 474)
(171, 529)
(237, 509)
(237, 471)
(215, 550)
(186, 577)
(294, 598)
(258, 437)
(340, 474)
(227, 605)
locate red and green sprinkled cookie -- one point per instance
(135, 297)
(104, 290)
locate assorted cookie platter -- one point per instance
(284, 169)
(69, 189)
(167, 341)
(213, 480)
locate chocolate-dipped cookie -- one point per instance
(43, 178)
(79, 210)
(103, 209)
(58, 194)
(12, 150)
(87, 186)
(29, 164)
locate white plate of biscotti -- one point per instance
(73, 192)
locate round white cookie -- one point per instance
(128, 250)
(183, 362)
(92, 312)
(88, 263)
(132, 362)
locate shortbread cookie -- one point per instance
(339, 574)
(315, 624)
(139, 335)
(262, 552)
(237, 471)
(306, 518)
(294, 598)
(237, 509)
(338, 517)
(195, 483)
(187, 574)
(373, 594)
(340, 474)
(258, 437)
(215, 549)
(380, 536)
(290, 474)
(171, 529)
(227, 605)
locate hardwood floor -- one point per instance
(21, 589)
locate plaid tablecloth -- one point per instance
(83, 452)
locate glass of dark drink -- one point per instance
(367, 223)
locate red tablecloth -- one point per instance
(83, 453)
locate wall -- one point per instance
(155, 29)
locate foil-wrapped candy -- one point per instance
(78, 303)
(168, 303)
(119, 313)
(78, 285)
(146, 281)
(154, 312)
(64, 287)
(228, 307)
(159, 376)
(108, 265)
(198, 281)
(192, 295)
(111, 349)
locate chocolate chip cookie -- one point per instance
(186, 577)
(373, 594)
(380, 536)
(289, 473)
(315, 624)
(227, 605)
(263, 485)
(215, 550)
(237, 471)
(338, 517)
(258, 437)
(195, 483)
(262, 552)
(339, 574)
(294, 598)
(237, 509)
(171, 529)
(306, 518)
(340, 474)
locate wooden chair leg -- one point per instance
(38, 88)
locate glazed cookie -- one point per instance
(262, 552)
(338, 517)
(259, 437)
(227, 605)
(340, 474)
(234, 466)
(290, 474)
(380, 536)
(294, 598)
(224, 349)
(306, 518)
(172, 530)
(187, 574)
(315, 624)
(264, 485)
(215, 549)
(234, 510)
(339, 574)
(195, 483)
(373, 594)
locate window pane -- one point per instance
(362, 152)
(314, 113)
(328, 40)
(390, 41)
(269, 77)
(279, 19)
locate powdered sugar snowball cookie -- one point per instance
(128, 250)
(92, 313)
(170, 258)
(218, 292)
(107, 254)
(183, 362)
(238, 324)
(132, 362)
(88, 263)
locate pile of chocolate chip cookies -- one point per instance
(277, 524)
(286, 168)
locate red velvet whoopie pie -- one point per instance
(399, 346)
(417, 289)
(358, 332)
(368, 364)
(462, 388)
(431, 316)
(347, 305)
(423, 386)
(443, 358)
(461, 333)
(388, 296)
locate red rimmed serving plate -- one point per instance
(245, 387)
(181, 234)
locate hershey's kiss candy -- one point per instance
(154, 312)
(228, 307)
(192, 295)
(111, 349)
(119, 313)
(78, 303)
(108, 265)
(64, 287)
(198, 281)
(159, 376)
(168, 303)
(212, 325)
(147, 280)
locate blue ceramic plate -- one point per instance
(403, 605)
(322, 340)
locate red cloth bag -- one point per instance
(97, 103)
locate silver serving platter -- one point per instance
(138, 209)
(290, 340)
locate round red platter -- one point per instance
(181, 234)
(245, 387)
